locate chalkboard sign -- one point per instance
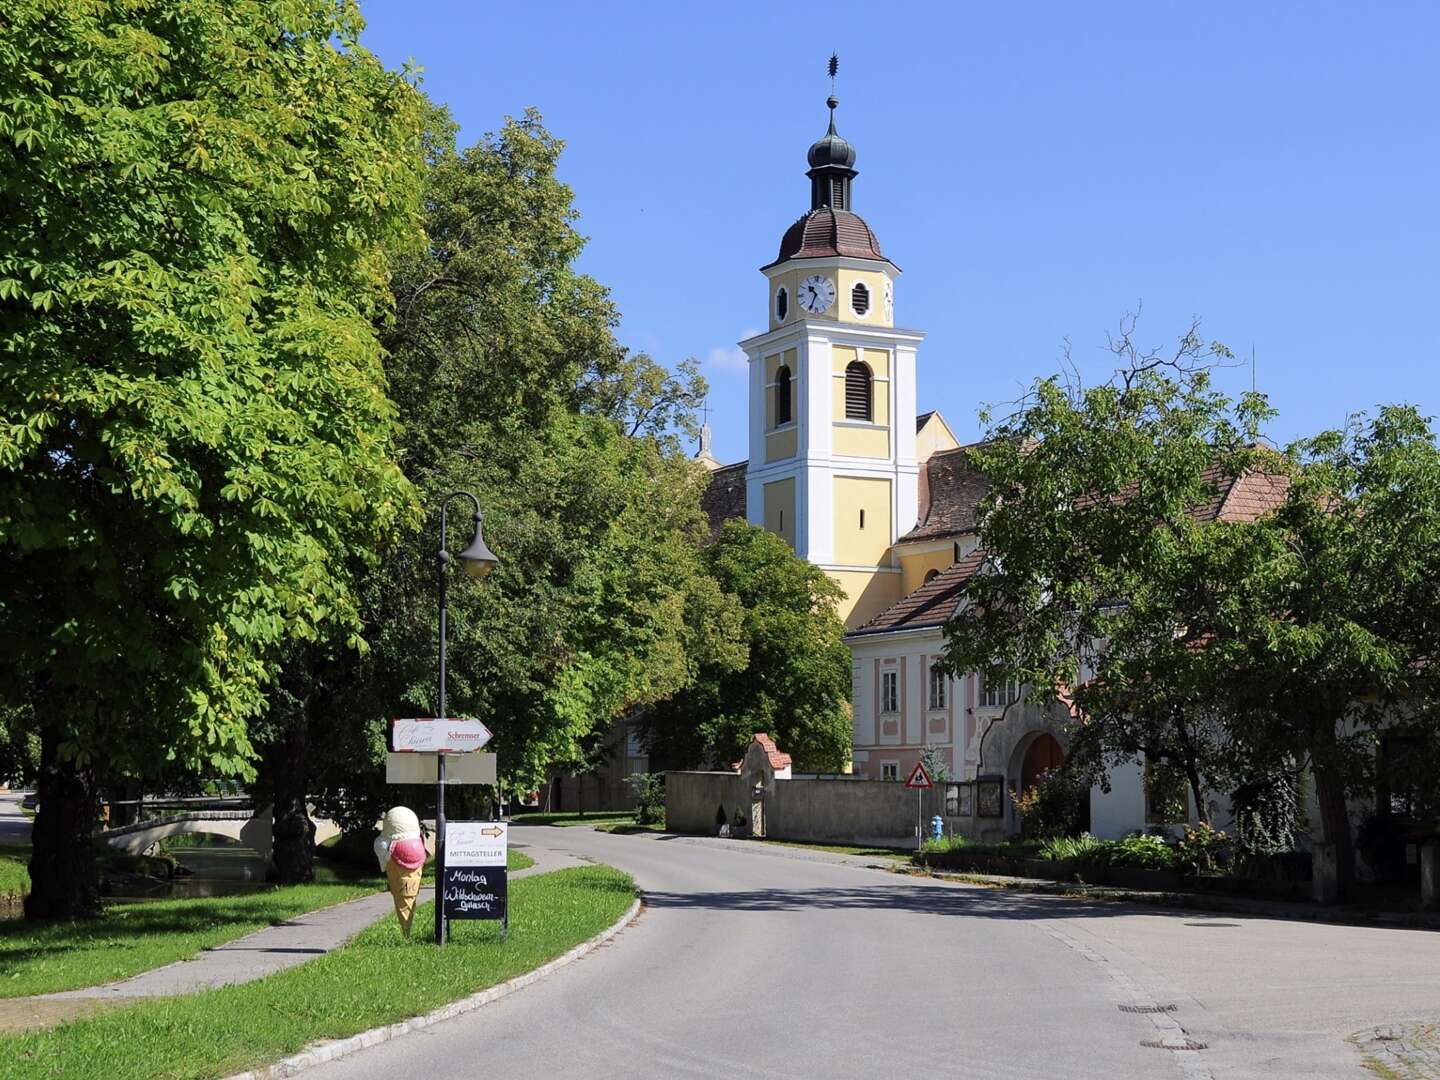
(475, 892)
(475, 885)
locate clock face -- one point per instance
(817, 293)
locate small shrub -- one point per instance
(1055, 806)
(1138, 852)
(1060, 848)
(1203, 850)
(1269, 813)
(649, 790)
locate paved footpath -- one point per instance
(754, 961)
(278, 947)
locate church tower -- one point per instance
(832, 394)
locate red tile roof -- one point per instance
(778, 759)
(825, 233)
(951, 488)
(931, 605)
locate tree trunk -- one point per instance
(64, 880)
(293, 833)
(1335, 819)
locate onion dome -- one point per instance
(830, 148)
(830, 228)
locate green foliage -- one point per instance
(510, 384)
(14, 877)
(1137, 852)
(1063, 848)
(790, 676)
(1090, 516)
(936, 760)
(1268, 813)
(1055, 806)
(1203, 850)
(649, 789)
(195, 441)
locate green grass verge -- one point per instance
(379, 978)
(39, 958)
(14, 877)
(594, 817)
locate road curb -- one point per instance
(339, 1048)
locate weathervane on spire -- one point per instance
(832, 101)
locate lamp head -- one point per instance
(477, 559)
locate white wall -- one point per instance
(1122, 811)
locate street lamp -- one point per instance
(478, 560)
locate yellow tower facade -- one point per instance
(832, 394)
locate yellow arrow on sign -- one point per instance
(493, 830)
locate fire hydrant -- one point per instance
(937, 828)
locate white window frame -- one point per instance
(869, 300)
(890, 770)
(889, 691)
(938, 681)
(996, 697)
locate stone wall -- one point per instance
(691, 799)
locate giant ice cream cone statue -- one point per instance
(402, 856)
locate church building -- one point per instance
(884, 499)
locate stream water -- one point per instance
(213, 869)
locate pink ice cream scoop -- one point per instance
(408, 853)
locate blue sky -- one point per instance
(1035, 169)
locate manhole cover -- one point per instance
(1147, 1008)
(1174, 1044)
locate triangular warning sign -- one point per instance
(919, 778)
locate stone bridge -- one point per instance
(250, 827)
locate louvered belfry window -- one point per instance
(857, 391)
(860, 298)
(837, 193)
(782, 396)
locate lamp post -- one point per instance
(478, 560)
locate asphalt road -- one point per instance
(750, 964)
(14, 825)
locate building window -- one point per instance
(997, 693)
(837, 193)
(782, 304)
(862, 519)
(782, 396)
(889, 691)
(889, 770)
(939, 686)
(930, 575)
(857, 391)
(860, 298)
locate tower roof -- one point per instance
(825, 231)
(831, 227)
(830, 148)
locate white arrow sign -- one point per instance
(452, 736)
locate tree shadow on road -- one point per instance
(919, 899)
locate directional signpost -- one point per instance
(475, 880)
(419, 748)
(919, 780)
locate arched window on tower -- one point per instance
(857, 391)
(782, 304)
(782, 396)
(860, 298)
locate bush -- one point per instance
(1139, 852)
(1061, 848)
(1268, 813)
(1203, 850)
(1055, 806)
(649, 790)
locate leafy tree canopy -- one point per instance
(195, 439)
(795, 681)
